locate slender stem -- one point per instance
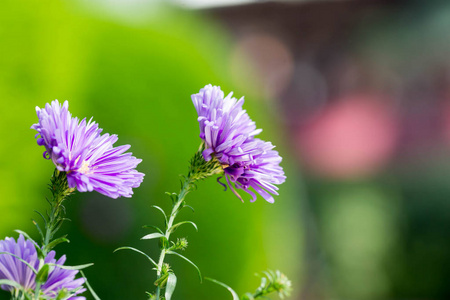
(60, 191)
(187, 185)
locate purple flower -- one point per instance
(11, 268)
(260, 172)
(229, 136)
(224, 125)
(89, 158)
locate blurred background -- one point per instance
(355, 94)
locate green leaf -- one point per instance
(25, 262)
(79, 267)
(170, 285)
(188, 206)
(154, 227)
(173, 196)
(38, 249)
(186, 259)
(42, 275)
(56, 242)
(152, 236)
(91, 290)
(10, 283)
(181, 223)
(233, 293)
(38, 228)
(138, 251)
(161, 210)
(43, 218)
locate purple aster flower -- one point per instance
(261, 172)
(229, 136)
(224, 125)
(13, 269)
(89, 158)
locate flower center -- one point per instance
(84, 168)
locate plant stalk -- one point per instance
(187, 185)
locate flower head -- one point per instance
(13, 269)
(89, 159)
(261, 172)
(229, 137)
(224, 125)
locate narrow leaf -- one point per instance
(10, 283)
(170, 285)
(138, 251)
(91, 290)
(43, 218)
(233, 293)
(154, 227)
(161, 210)
(181, 223)
(56, 242)
(79, 267)
(25, 262)
(152, 236)
(38, 228)
(188, 206)
(186, 259)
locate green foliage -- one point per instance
(140, 252)
(90, 289)
(170, 286)
(274, 281)
(233, 293)
(60, 192)
(198, 169)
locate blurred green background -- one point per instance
(355, 94)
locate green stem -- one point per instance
(60, 191)
(187, 185)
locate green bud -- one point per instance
(282, 285)
(272, 282)
(200, 168)
(181, 244)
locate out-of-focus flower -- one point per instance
(229, 136)
(273, 281)
(11, 268)
(89, 158)
(356, 136)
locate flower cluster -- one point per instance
(14, 269)
(229, 137)
(89, 159)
